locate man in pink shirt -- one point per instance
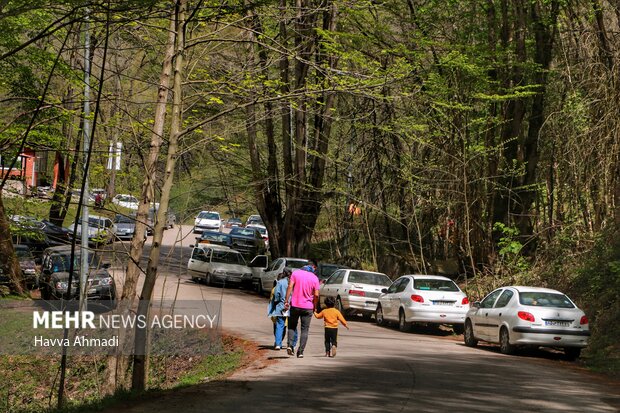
(303, 295)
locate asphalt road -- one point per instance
(377, 369)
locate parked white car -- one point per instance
(126, 201)
(264, 279)
(355, 291)
(101, 230)
(217, 264)
(429, 299)
(528, 316)
(208, 220)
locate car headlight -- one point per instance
(106, 281)
(30, 271)
(219, 272)
(247, 275)
(61, 285)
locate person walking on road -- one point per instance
(331, 316)
(277, 311)
(303, 296)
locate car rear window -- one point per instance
(430, 284)
(295, 263)
(543, 299)
(243, 231)
(227, 257)
(360, 277)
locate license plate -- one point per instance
(443, 302)
(92, 291)
(557, 323)
(370, 304)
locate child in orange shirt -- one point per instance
(331, 316)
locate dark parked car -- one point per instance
(214, 237)
(248, 241)
(55, 276)
(28, 265)
(325, 270)
(38, 235)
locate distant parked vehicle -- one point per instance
(325, 270)
(217, 264)
(37, 234)
(126, 201)
(54, 282)
(516, 316)
(208, 220)
(354, 291)
(28, 265)
(248, 241)
(100, 230)
(214, 237)
(263, 232)
(233, 222)
(125, 226)
(429, 299)
(254, 220)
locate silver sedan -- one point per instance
(528, 316)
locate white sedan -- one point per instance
(126, 201)
(529, 316)
(429, 299)
(354, 291)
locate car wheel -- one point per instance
(468, 337)
(403, 325)
(379, 316)
(339, 305)
(572, 353)
(194, 279)
(208, 280)
(458, 329)
(504, 342)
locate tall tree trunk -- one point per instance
(118, 366)
(140, 360)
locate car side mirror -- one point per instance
(384, 290)
(475, 304)
(191, 245)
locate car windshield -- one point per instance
(61, 262)
(360, 277)
(234, 220)
(128, 198)
(23, 253)
(227, 257)
(263, 231)
(122, 219)
(247, 232)
(96, 222)
(326, 270)
(430, 284)
(209, 215)
(296, 263)
(545, 299)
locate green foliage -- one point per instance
(510, 251)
